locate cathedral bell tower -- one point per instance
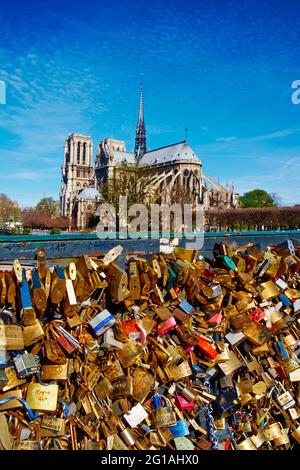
(77, 170)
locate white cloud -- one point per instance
(226, 139)
(254, 162)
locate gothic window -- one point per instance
(78, 152)
(78, 173)
(68, 152)
(84, 153)
(186, 175)
(195, 185)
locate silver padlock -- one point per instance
(127, 437)
(26, 364)
(285, 399)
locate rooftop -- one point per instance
(169, 153)
(90, 194)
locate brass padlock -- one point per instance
(122, 387)
(11, 338)
(42, 397)
(117, 282)
(57, 372)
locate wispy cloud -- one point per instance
(254, 162)
(75, 70)
(226, 139)
(26, 175)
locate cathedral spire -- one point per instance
(140, 134)
(141, 110)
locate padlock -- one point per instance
(51, 426)
(26, 364)
(39, 295)
(130, 353)
(42, 397)
(110, 342)
(58, 285)
(136, 415)
(285, 399)
(166, 326)
(33, 333)
(57, 372)
(143, 382)
(187, 392)
(180, 429)
(102, 322)
(206, 348)
(246, 444)
(285, 248)
(10, 289)
(126, 435)
(117, 282)
(122, 387)
(28, 314)
(53, 351)
(186, 307)
(134, 280)
(184, 404)
(281, 350)
(11, 338)
(163, 313)
(65, 340)
(164, 416)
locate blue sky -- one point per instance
(222, 69)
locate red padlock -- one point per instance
(216, 319)
(166, 326)
(184, 404)
(207, 348)
(68, 343)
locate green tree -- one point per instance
(9, 210)
(48, 206)
(258, 198)
(133, 181)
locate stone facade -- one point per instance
(174, 167)
(175, 170)
(85, 206)
(77, 170)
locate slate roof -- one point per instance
(121, 157)
(170, 153)
(90, 194)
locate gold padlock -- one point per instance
(42, 397)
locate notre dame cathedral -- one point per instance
(172, 167)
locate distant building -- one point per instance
(85, 206)
(174, 167)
